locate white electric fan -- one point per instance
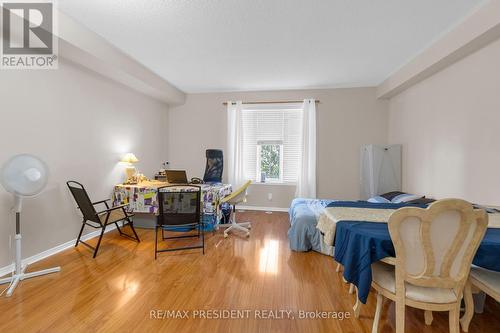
(23, 175)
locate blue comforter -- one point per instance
(304, 214)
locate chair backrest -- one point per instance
(83, 201)
(179, 205)
(214, 167)
(239, 195)
(435, 246)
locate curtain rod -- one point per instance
(268, 102)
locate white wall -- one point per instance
(449, 125)
(347, 118)
(80, 123)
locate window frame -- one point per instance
(253, 154)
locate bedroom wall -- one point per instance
(449, 127)
(81, 124)
(346, 119)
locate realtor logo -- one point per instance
(28, 35)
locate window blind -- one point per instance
(270, 124)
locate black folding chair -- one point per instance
(101, 219)
(179, 211)
(214, 166)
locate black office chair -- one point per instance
(179, 211)
(101, 219)
(214, 167)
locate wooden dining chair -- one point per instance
(482, 280)
(434, 251)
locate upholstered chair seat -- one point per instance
(384, 275)
(488, 278)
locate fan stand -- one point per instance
(19, 274)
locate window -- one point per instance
(271, 142)
(270, 161)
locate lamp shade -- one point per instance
(129, 158)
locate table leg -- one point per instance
(357, 306)
(479, 300)
(428, 317)
(378, 311)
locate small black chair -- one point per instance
(101, 219)
(179, 211)
(214, 167)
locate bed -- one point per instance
(303, 234)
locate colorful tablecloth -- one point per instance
(143, 197)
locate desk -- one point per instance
(359, 244)
(143, 197)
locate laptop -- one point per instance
(177, 176)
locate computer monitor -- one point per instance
(176, 176)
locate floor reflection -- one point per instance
(127, 287)
(268, 262)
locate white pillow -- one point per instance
(405, 198)
(378, 199)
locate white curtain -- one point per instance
(234, 145)
(306, 182)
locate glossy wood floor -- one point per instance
(117, 291)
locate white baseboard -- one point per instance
(50, 252)
(260, 208)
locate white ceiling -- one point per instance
(231, 45)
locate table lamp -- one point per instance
(130, 159)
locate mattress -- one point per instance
(303, 234)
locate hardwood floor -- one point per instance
(124, 289)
